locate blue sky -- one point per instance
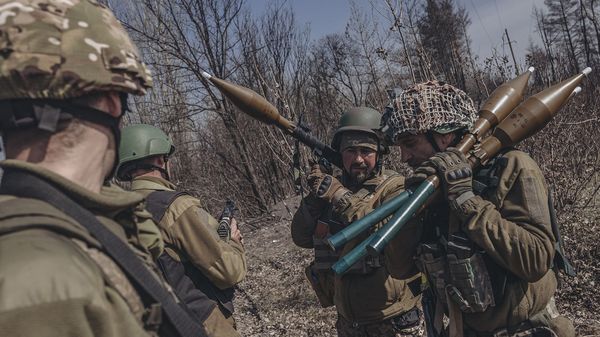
(488, 20)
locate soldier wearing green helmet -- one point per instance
(197, 262)
(76, 254)
(371, 299)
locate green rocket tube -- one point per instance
(346, 261)
(415, 200)
(354, 229)
(404, 214)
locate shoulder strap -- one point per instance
(158, 202)
(488, 177)
(27, 185)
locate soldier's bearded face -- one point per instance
(359, 162)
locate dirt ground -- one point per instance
(276, 300)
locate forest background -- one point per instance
(387, 44)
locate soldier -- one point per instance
(488, 245)
(66, 268)
(371, 299)
(195, 258)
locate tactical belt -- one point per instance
(26, 185)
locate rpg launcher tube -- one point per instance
(251, 103)
(384, 235)
(501, 102)
(339, 239)
(529, 117)
(321, 149)
(260, 109)
(348, 260)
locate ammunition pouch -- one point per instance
(321, 282)
(325, 258)
(459, 273)
(469, 285)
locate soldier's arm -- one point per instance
(193, 232)
(518, 236)
(305, 221)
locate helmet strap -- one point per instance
(46, 114)
(431, 139)
(128, 169)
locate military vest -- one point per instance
(325, 257)
(197, 292)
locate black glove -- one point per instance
(454, 171)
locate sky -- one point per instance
(489, 18)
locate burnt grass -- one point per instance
(276, 300)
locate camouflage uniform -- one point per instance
(378, 296)
(57, 279)
(488, 256)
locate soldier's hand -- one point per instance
(420, 174)
(454, 171)
(324, 186)
(236, 235)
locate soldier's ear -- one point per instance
(111, 104)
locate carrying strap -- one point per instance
(25, 185)
(158, 202)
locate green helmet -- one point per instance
(141, 141)
(63, 49)
(361, 119)
(429, 106)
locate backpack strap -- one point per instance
(27, 185)
(158, 202)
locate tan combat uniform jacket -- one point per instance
(55, 280)
(190, 233)
(377, 296)
(512, 225)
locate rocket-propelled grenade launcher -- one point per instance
(500, 103)
(259, 108)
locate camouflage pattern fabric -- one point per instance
(429, 106)
(409, 324)
(58, 49)
(358, 139)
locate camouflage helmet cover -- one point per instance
(59, 49)
(429, 106)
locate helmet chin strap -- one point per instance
(46, 114)
(431, 139)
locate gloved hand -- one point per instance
(453, 169)
(325, 186)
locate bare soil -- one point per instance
(276, 300)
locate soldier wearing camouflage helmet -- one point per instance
(371, 299)
(76, 254)
(487, 245)
(197, 262)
